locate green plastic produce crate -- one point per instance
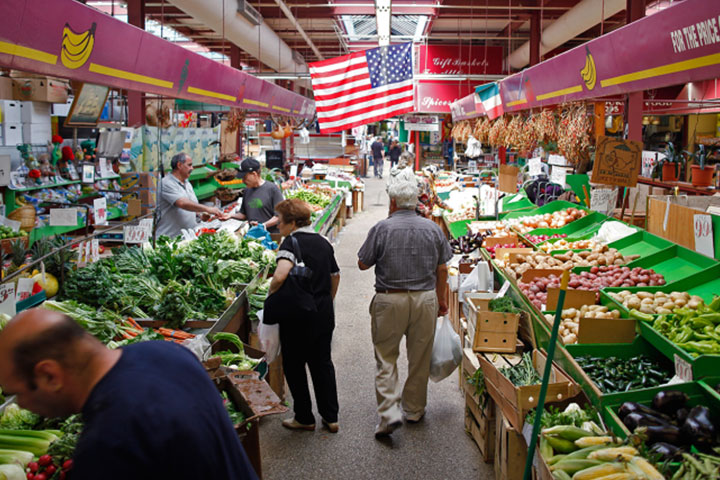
(702, 366)
(675, 263)
(713, 384)
(705, 285)
(641, 243)
(512, 203)
(580, 226)
(551, 207)
(639, 346)
(699, 395)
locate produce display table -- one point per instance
(681, 186)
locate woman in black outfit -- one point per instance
(305, 337)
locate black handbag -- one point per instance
(294, 294)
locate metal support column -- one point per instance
(535, 38)
(136, 102)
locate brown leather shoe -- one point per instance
(293, 424)
(332, 427)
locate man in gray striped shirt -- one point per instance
(410, 255)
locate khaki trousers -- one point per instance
(412, 314)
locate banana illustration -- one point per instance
(588, 73)
(77, 47)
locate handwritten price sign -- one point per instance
(136, 234)
(7, 299)
(704, 241)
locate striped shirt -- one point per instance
(406, 250)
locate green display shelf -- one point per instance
(52, 185)
(200, 173)
(640, 243)
(206, 190)
(458, 229)
(639, 346)
(702, 366)
(698, 393)
(675, 263)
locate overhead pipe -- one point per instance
(572, 23)
(299, 28)
(259, 41)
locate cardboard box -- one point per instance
(12, 134)
(6, 88)
(138, 180)
(41, 89)
(147, 196)
(35, 112)
(11, 111)
(37, 133)
(510, 450)
(516, 402)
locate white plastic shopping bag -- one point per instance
(269, 336)
(446, 352)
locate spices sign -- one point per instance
(617, 162)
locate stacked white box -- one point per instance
(11, 111)
(35, 112)
(37, 133)
(12, 133)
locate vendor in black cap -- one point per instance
(260, 197)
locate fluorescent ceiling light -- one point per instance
(420, 28)
(382, 18)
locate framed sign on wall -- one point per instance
(87, 105)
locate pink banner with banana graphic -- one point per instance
(65, 38)
(675, 46)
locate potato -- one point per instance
(633, 303)
(668, 306)
(660, 294)
(569, 339)
(646, 301)
(680, 302)
(676, 295)
(615, 313)
(694, 304)
(647, 309)
(642, 295)
(696, 298)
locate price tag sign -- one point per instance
(63, 217)
(24, 289)
(557, 175)
(82, 258)
(503, 289)
(472, 165)
(7, 299)
(88, 173)
(534, 166)
(136, 234)
(105, 168)
(100, 209)
(683, 370)
(603, 200)
(704, 241)
(293, 172)
(4, 170)
(95, 250)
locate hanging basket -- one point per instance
(25, 215)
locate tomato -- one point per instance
(33, 466)
(50, 469)
(101, 249)
(45, 460)
(67, 465)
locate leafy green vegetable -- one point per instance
(523, 373)
(572, 415)
(503, 304)
(64, 447)
(102, 324)
(236, 416)
(174, 308)
(477, 380)
(16, 418)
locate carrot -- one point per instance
(166, 332)
(135, 324)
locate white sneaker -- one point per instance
(386, 429)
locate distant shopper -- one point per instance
(403, 172)
(178, 205)
(135, 401)
(378, 152)
(409, 254)
(394, 153)
(305, 337)
(260, 198)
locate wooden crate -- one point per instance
(454, 310)
(482, 433)
(493, 331)
(515, 402)
(276, 375)
(510, 450)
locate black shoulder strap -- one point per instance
(296, 249)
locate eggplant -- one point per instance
(698, 428)
(637, 419)
(633, 407)
(669, 401)
(681, 415)
(666, 450)
(661, 433)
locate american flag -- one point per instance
(363, 87)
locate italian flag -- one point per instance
(489, 96)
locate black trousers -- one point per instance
(305, 340)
